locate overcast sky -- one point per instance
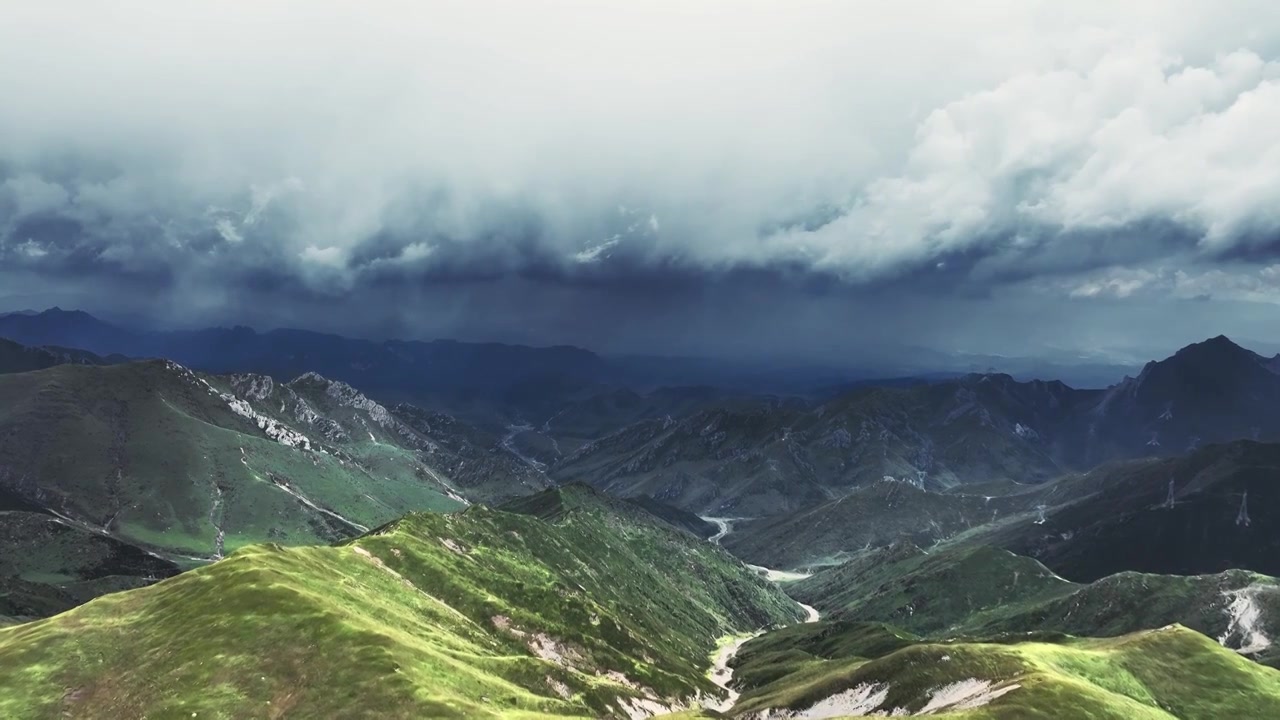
(812, 179)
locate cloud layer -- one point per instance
(309, 153)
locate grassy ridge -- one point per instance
(482, 613)
(955, 591)
(1168, 673)
(929, 592)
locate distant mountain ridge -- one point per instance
(15, 357)
(531, 383)
(765, 458)
(392, 370)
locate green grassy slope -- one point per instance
(877, 513)
(930, 592)
(1168, 673)
(960, 590)
(1240, 608)
(482, 613)
(400, 442)
(154, 454)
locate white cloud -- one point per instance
(937, 127)
(1119, 283)
(593, 253)
(1135, 136)
(1237, 283)
(228, 230)
(416, 252)
(32, 249)
(329, 257)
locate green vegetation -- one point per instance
(482, 613)
(568, 602)
(1172, 672)
(872, 515)
(802, 651)
(153, 454)
(957, 590)
(934, 592)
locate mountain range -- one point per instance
(256, 537)
(750, 458)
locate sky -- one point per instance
(828, 181)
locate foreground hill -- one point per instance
(832, 670)
(482, 613)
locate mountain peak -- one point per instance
(1215, 350)
(311, 377)
(1218, 342)
(56, 311)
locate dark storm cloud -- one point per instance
(737, 176)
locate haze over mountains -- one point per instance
(461, 369)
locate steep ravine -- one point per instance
(721, 664)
